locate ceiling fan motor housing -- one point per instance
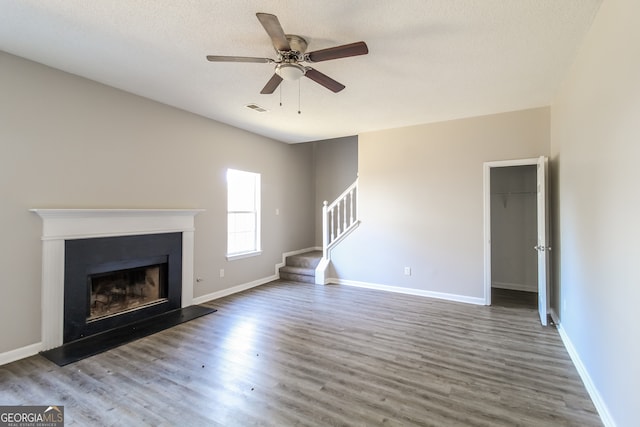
(297, 43)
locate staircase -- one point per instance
(339, 219)
(301, 267)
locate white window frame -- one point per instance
(257, 249)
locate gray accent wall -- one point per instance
(335, 169)
(67, 142)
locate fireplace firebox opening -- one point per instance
(120, 291)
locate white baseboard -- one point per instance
(20, 353)
(233, 290)
(409, 291)
(514, 286)
(598, 402)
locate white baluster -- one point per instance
(357, 202)
(351, 207)
(344, 206)
(332, 227)
(338, 219)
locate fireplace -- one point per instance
(113, 281)
(84, 249)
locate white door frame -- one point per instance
(544, 245)
(486, 188)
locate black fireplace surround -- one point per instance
(87, 257)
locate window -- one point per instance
(243, 213)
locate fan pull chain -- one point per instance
(280, 88)
(299, 96)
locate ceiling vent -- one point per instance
(257, 108)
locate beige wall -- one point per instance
(421, 196)
(66, 142)
(596, 146)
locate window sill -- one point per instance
(243, 255)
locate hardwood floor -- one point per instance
(514, 299)
(289, 353)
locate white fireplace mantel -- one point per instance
(68, 224)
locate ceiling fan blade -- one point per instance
(271, 85)
(344, 51)
(272, 26)
(324, 80)
(219, 58)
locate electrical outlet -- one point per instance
(222, 272)
(277, 211)
(407, 271)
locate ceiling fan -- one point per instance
(291, 52)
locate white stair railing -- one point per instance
(339, 218)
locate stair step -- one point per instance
(298, 270)
(301, 267)
(297, 277)
(307, 259)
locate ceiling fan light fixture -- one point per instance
(290, 71)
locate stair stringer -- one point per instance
(321, 271)
(325, 263)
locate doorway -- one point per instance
(516, 250)
(514, 262)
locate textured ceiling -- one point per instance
(429, 60)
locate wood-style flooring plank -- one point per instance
(288, 354)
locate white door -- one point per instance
(543, 247)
